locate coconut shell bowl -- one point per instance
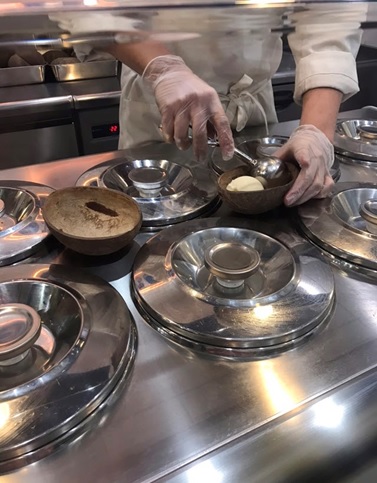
(92, 221)
(256, 202)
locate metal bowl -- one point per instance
(166, 192)
(233, 291)
(16, 205)
(336, 224)
(58, 323)
(92, 221)
(66, 341)
(256, 202)
(356, 139)
(22, 228)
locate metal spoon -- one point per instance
(268, 167)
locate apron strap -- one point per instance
(241, 101)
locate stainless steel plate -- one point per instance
(186, 192)
(86, 344)
(336, 225)
(356, 139)
(22, 227)
(289, 295)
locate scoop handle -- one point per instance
(240, 154)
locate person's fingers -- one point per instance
(199, 135)
(320, 187)
(211, 131)
(327, 187)
(308, 183)
(284, 153)
(167, 125)
(181, 129)
(224, 133)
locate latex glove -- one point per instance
(314, 153)
(183, 100)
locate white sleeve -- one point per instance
(325, 44)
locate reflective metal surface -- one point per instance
(84, 70)
(265, 165)
(257, 148)
(336, 225)
(328, 439)
(231, 263)
(16, 76)
(356, 139)
(22, 228)
(183, 407)
(272, 295)
(73, 366)
(149, 181)
(20, 326)
(181, 192)
(368, 211)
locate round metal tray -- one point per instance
(265, 146)
(166, 192)
(284, 295)
(22, 227)
(335, 224)
(356, 140)
(69, 367)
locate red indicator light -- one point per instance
(114, 128)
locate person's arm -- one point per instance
(183, 99)
(137, 55)
(310, 145)
(320, 108)
(325, 43)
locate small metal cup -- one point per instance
(149, 181)
(231, 263)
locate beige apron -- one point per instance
(237, 52)
(236, 55)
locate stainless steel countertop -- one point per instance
(246, 420)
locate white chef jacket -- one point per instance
(240, 63)
(238, 53)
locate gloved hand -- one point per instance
(183, 100)
(314, 153)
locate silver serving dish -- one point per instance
(84, 70)
(337, 224)
(22, 227)
(166, 192)
(356, 139)
(18, 76)
(233, 291)
(66, 340)
(258, 148)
